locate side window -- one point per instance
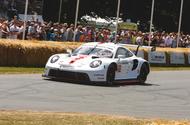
(129, 54)
(122, 51)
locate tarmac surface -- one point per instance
(165, 95)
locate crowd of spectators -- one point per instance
(50, 31)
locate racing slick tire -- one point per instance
(110, 78)
(143, 74)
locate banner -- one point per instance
(157, 57)
(127, 26)
(177, 58)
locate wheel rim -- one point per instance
(143, 77)
(110, 77)
(143, 74)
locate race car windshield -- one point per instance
(99, 52)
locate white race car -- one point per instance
(98, 62)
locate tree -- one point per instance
(166, 14)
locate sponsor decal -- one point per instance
(77, 58)
(157, 57)
(119, 68)
(100, 78)
(61, 67)
(129, 66)
(98, 75)
(124, 66)
(125, 62)
(177, 58)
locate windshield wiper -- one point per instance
(92, 49)
(95, 57)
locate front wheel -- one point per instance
(110, 75)
(143, 74)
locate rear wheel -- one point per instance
(143, 74)
(110, 75)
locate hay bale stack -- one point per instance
(30, 53)
(36, 53)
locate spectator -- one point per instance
(31, 31)
(78, 33)
(14, 20)
(61, 32)
(14, 31)
(112, 36)
(155, 41)
(168, 40)
(99, 37)
(139, 39)
(0, 30)
(41, 32)
(70, 33)
(5, 29)
(174, 42)
(54, 35)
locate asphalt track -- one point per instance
(166, 95)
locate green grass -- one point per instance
(174, 68)
(50, 118)
(20, 70)
(30, 70)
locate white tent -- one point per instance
(31, 17)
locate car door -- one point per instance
(124, 63)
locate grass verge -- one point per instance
(51, 118)
(29, 70)
(20, 70)
(169, 68)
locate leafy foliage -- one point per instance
(166, 14)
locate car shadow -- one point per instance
(101, 84)
(137, 84)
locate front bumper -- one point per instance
(68, 75)
(96, 75)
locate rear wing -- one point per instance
(151, 48)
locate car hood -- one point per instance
(79, 60)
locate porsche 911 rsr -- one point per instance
(98, 62)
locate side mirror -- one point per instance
(121, 56)
(69, 51)
(153, 49)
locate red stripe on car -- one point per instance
(77, 58)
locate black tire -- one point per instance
(110, 75)
(143, 74)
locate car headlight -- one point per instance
(54, 59)
(95, 64)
